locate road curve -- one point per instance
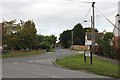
(41, 66)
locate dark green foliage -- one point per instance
(105, 48)
(45, 45)
(89, 29)
(51, 39)
(39, 40)
(22, 36)
(79, 35)
(19, 36)
(65, 38)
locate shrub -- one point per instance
(117, 54)
(45, 45)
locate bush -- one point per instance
(45, 45)
(117, 54)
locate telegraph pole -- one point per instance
(92, 31)
(72, 36)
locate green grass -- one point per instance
(0, 56)
(11, 54)
(99, 66)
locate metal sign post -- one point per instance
(84, 57)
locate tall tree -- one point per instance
(79, 35)
(28, 35)
(106, 43)
(10, 28)
(19, 35)
(65, 38)
(51, 39)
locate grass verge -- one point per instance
(99, 66)
(20, 53)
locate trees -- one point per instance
(9, 34)
(45, 45)
(27, 35)
(23, 35)
(65, 38)
(89, 29)
(78, 36)
(106, 44)
(46, 42)
(51, 39)
(105, 47)
(19, 35)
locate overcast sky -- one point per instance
(55, 16)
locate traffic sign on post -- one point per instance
(87, 53)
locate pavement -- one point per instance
(41, 66)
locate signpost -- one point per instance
(89, 53)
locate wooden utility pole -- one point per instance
(92, 32)
(72, 36)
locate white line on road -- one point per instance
(42, 60)
(55, 77)
(15, 62)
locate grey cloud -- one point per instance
(52, 17)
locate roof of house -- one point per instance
(97, 35)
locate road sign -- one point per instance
(87, 53)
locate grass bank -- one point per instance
(21, 53)
(99, 66)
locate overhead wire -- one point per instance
(99, 21)
(108, 19)
(86, 15)
(88, 10)
(99, 12)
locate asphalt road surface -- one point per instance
(41, 66)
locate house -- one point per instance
(116, 32)
(88, 38)
(0, 35)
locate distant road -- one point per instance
(41, 66)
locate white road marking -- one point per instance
(48, 59)
(15, 62)
(55, 77)
(42, 60)
(50, 52)
(30, 61)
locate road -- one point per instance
(41, 66)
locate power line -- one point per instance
(98, 18)
(86, 15)
(82, 2)
(108, 19)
